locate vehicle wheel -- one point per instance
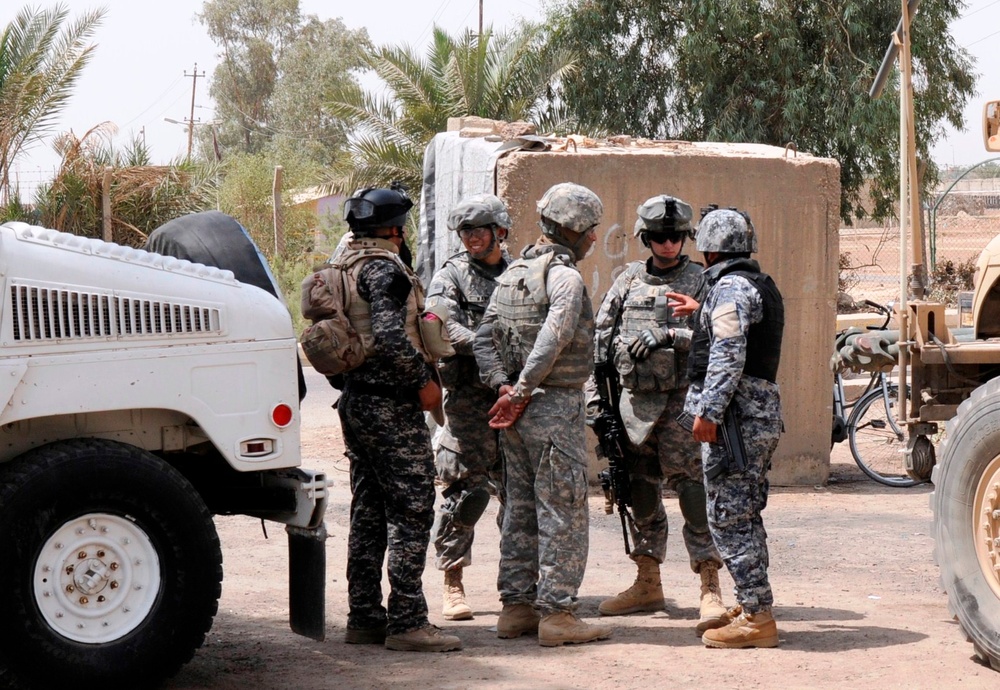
(112, 568)
(876, 446)
(966, 506)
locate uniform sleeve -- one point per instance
(566, 292)
(682, 334)
(491, 369)
(734, 306)
(386, 288)
(444, 291)
(607, 315)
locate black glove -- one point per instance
(649, 340)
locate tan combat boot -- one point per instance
(645, 594)
(713, 611)
(725, 619)
(565, 628)
(516, 620)
(427, 639)
(455, 608)
(747, 630)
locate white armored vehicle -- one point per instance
(141, 394)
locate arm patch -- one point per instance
(726, 322)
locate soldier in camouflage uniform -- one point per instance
(535, 348)
(388, 442)
(648, 345)
(465, 448)
(735, 352)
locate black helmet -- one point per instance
(372, 208)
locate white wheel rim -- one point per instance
(96, 578)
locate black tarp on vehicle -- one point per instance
(215, 239)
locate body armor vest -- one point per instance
(359, 312)
(522, 305)
(763, 339)
(475, 289)
(646, 306)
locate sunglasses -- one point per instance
(483, 231)
(661, 237)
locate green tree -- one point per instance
(767, 72)
(41, 58)
(504, 75)
(278, 68)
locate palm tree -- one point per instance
(504, 76)
(40, 62)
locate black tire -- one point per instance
(964, 502)
(875, 444)
(112, 568)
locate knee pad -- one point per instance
(471, 507)
(692, 499)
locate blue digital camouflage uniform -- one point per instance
(736, 500)
(652, 397)
(465, 448)
(392, 466)
(544, 540)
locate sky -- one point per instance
(147, 51)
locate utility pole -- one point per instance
(480, 18)
(194, 82)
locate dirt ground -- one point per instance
(857, 602)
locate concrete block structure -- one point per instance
(793, 199)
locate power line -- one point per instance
(980, 40)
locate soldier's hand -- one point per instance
(505, 412)
(682, 305)
(705, 431)
(638, 350)
(656, 337)
(430, 395)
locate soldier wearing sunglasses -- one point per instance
(637, 329)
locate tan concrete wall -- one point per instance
(794, 203)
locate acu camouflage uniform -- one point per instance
(392, 466)
(736, 500)
(466, 453)
(652, 396)
(538, 331)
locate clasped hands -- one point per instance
(505, 411)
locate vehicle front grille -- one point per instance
(52, 313)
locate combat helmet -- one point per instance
(501, 218)
(663, 213)
(481, 211)
(726, 231)
(372, 208)
(571, 207)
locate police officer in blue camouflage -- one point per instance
(648, 345)
(735, 352)
(465, 448)
(535, 348)
(388, 442)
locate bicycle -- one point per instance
(876, 440)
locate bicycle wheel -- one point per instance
(876, 444)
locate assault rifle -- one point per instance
(613, 440)
(730, 435)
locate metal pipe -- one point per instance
(890, 54)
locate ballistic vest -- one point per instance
(522, 306)
(763, 338)
(353, 258)
(646, 306)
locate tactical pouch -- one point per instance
(655, 374)
(434, 334)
